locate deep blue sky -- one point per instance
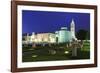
(44, 21)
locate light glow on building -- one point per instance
(60, 36)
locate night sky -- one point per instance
(44, 21)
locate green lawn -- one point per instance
(54, 53)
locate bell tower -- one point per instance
(72, 29)
(72, 26)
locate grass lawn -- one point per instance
(52, 53)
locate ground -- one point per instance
(53, 53)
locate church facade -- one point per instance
(60, 36)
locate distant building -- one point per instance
(59, 36)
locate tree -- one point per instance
(83, 34)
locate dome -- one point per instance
(63, 28)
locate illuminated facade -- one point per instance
(43, 37)
(60, 36)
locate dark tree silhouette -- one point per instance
(83, 34)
